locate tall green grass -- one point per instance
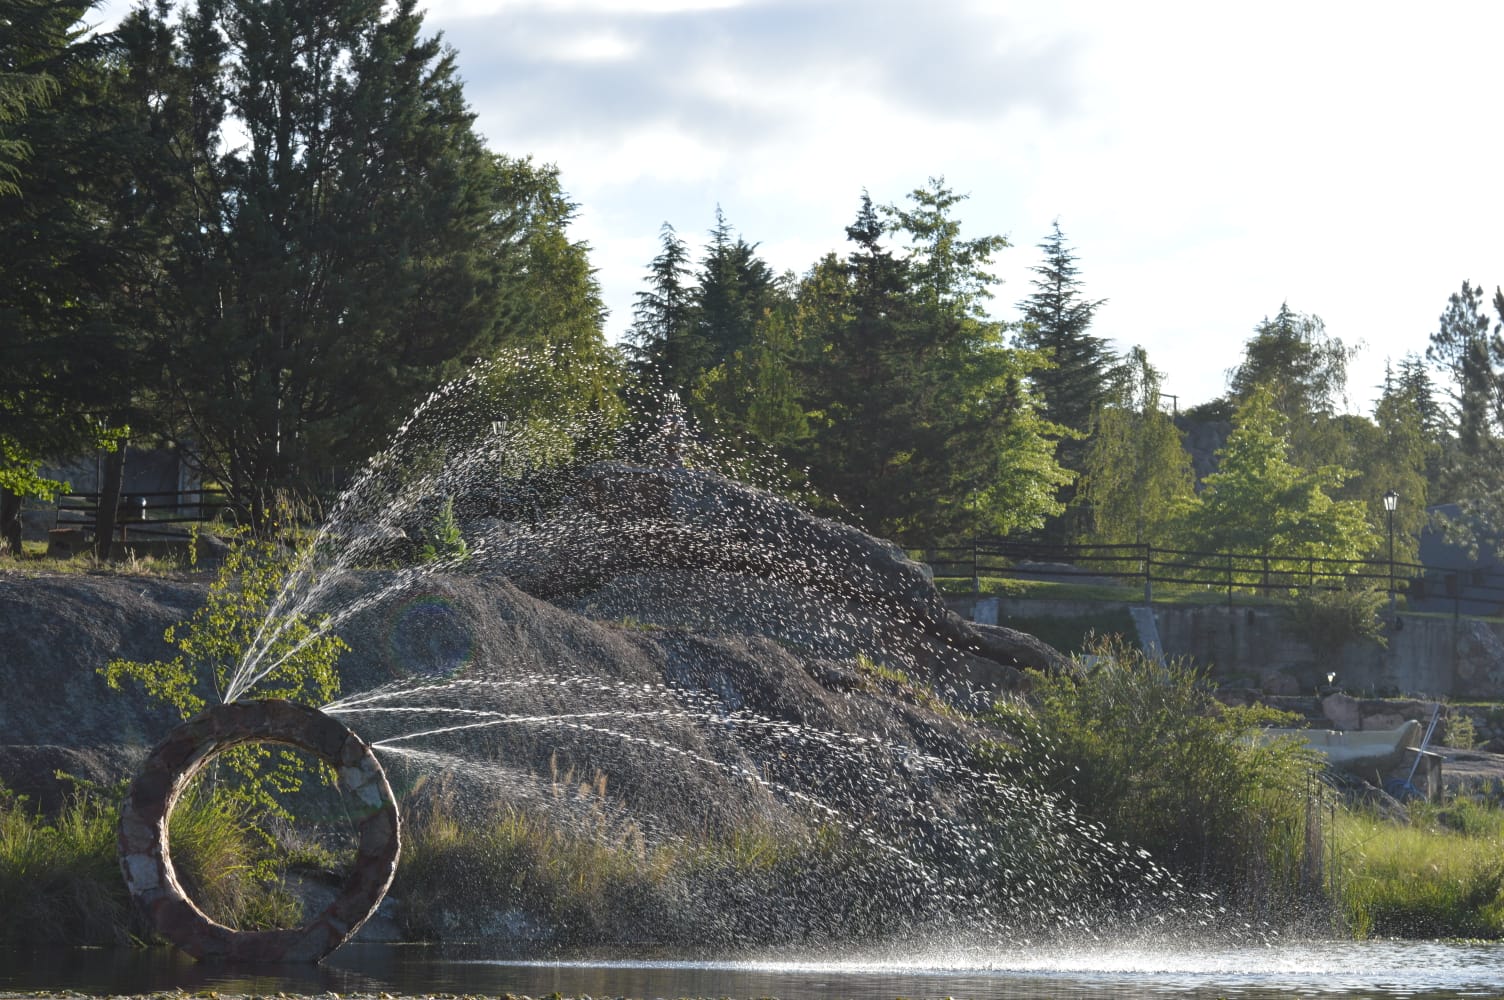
(60, 880)
(573, 880)
(1441, 874)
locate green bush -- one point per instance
(1145, 750)
(60, 882)
(300, 665)
(1327, 620)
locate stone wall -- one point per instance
(1434, 656)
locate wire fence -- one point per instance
(1249, 573)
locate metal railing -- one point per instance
(1259, 573)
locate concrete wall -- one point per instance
(1437, 656)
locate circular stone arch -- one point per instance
(147, 863)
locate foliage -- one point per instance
(227, 864)
(354, 250)
(1326, 619)
(1439, 875)
(1401, 460)
(1294, 357)
(1082, 372)
(921, 419)
(1258, 501)
(60, 878)
(1137, 480)
(596, 881)
(1144, 749)
(445, 541)
(879, 373)
(661, 338)
(68, 359)
(1469, 349)
(23, 88)
(296, 661)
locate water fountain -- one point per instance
(734, 620)
(728, 660)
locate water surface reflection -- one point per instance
(1329, 970)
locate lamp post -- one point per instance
(1391, 500)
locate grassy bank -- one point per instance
(516, 874)
(1439, 873)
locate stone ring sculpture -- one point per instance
(147, 863)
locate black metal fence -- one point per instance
(1262, 573)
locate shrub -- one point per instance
(1327, 620)
(236, 619)
(1145, 750)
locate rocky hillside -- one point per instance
(643, 668)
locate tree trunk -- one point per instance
(109, 501)
(10, 521)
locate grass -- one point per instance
(1440, 875)
(60, 880)
(34, 561)
(508, 872)
(879, 679)
(1123, 593)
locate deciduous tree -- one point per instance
(1138, 479)
(1258, 501)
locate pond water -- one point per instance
(1333, 970)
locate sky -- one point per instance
(1206, 161)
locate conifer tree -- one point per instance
(1056, 322)
(351, 251)
(1082, 372)
(661, 340)
(79, 248)
(921, 418)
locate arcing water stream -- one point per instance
(655, 655)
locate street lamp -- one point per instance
(1391, 501)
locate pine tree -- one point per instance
(78, 248)
(331, 268)
(662, 345)
(1472, 355)
(1056, 322)
(1082, 372)
(1468, 346)
(921, 418)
